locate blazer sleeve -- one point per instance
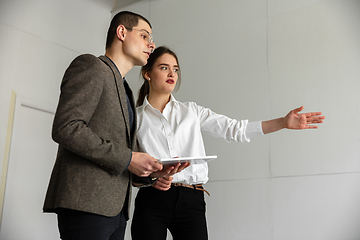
(82, 91)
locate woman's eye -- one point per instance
(164, 68)
(176, 70)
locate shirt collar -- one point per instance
(123, 78)
(146, 104)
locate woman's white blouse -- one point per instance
(177, 133)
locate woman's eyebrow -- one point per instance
(165, 64)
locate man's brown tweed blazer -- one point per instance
(91, 126)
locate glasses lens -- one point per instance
(149, 37)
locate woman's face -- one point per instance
(164, 75)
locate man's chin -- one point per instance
(143, 63)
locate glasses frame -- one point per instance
(150, 36)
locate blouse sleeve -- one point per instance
(224, 127)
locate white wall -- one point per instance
(38, 40)
(254, 59)
(258, 60)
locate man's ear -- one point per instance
(121, 32)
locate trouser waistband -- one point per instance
(196, 186)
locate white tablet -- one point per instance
(192, 160)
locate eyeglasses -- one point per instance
(147, 36)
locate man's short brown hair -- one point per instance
(126, 18)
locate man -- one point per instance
(95, 125)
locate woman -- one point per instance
(167, 129)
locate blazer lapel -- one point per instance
(132, 103)
(121, 93)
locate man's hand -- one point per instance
(142, 164)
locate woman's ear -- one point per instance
(146, 76)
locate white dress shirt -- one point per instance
(177, 133)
